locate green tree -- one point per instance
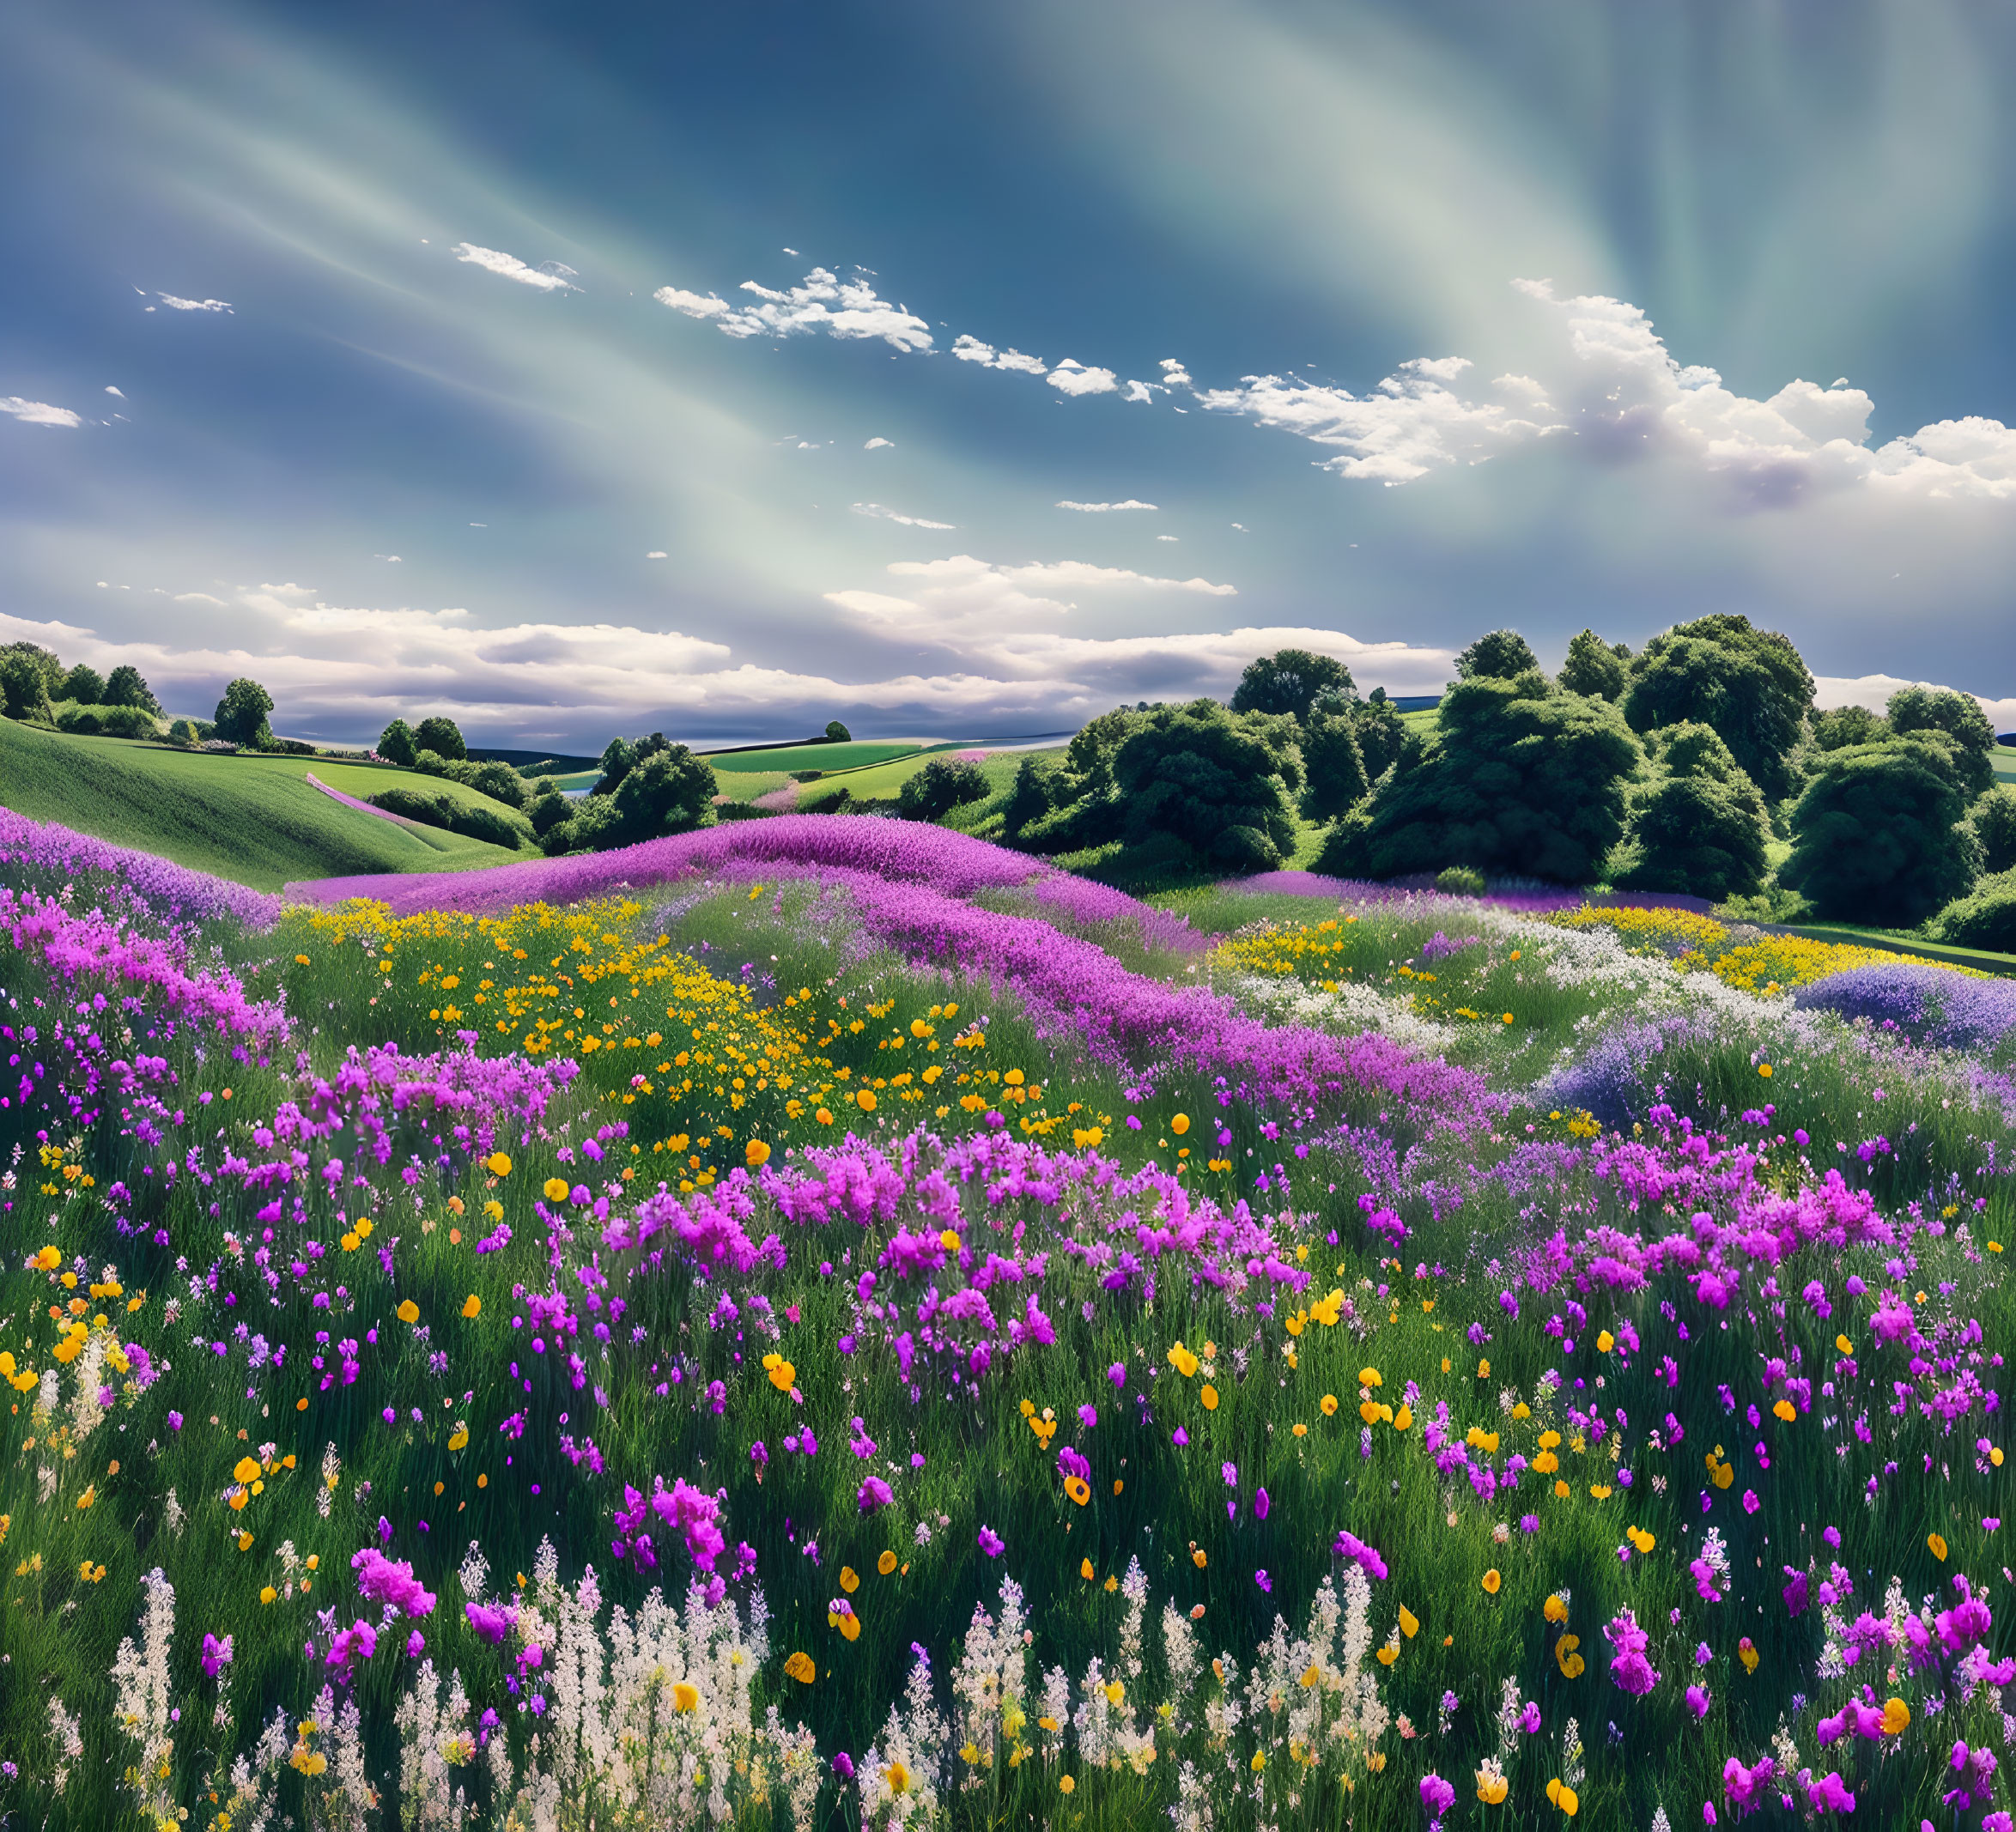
(85, 685)
(498, 780)
(617, 757)
(1381, 734)
(443, 736)
(1086, 809)
(126, 686)
(1993, 818)
(939, 787)
(52, 670)
(182, 732)
(1839, 727)
(1593, 668)
(668, 790)
(1497, 655)
(1336, 767)
(1985, 918)
(24, 688)
(837, 733)
(241, 714)
(1960, 718)
(549, 808)
(1748, 684)
(1029, 800)
(1518, 778)
(1880, 835)
(1219, 782)
(1293, 681)
(397, 743)
(1699, 826)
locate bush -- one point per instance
(837, 733)
(395, 744)
(107, 721)
(939, 787)
(182, 732)
(443, 737)
(548, 809)
(1028, 800)
(491, 824)
(1334, 765)
(1460, 881)
(293, 748)
(1748, 685)
(1840, 726)
(744, 811)
(1518, 778)
(1220, 782)
(1879, 835)
(1593, 668)
(1986, 918)
(241, 715)
(85, 685)
(1994, 820)
(1699, 828)
(829, 801)
(665, 790)
(499, 781)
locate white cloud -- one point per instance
(1873, 691)
(389, 559)
(883, 513)
(1105, 508)
(1174, 373)
(37, 413)
(553, 277)
(841, 308)
(876, 444)
(654, 554)
(971, 349)
(1073, 377)
(1142, 391)
(174, 304)
(114, 391)
(1168, 537)
(197, 598)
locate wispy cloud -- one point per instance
(174, 304)
(551, 278)
(1105, 508)
(971, 349)
(39, 413)
(824, 302)
(882, 513)
(877, 445)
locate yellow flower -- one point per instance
(1490, 1580)
(1786, 1410)
(1601, 1490)
(1196, 1557)
(1328, 1405)
(886, 1563)
(1746, 1652)
(1492, 1786)
(686, 1697)
(799, 1667)
(556, 1189)
(1180, 1125)
(1183, 1361)
(865, 1099)
(1403, 1418)
(756, 1153)
(1567, 1658)
(1067, 1786)
(1639, 1537)
(850, 1579)
(1210, 1396)
(1483, 1370)
(1764, 1069)
(1114, 1692)
(1896, 1717)
(1301, 1430)
(498, 1164)
(1369, 1377)
(783, 1375)
(247, 1468)
(1259, 1760)
(1554, 1609)
(409, 1312)
(471, 1305)
(898, 1777)
(1844, 1345)
(1077, 1488)
(1605, 1342)
(1085, 1570)
(1410, 1623)
(90, 1495)
(1938, 1546)
(269, 1594)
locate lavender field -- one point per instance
(829, 1322)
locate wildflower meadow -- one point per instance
(831, 1323)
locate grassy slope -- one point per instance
(822, 757)
(255, 820)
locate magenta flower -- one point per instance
(991, 1543)
(492, 1625)
(1437, 1796)
(216, 1655)
(872, 1493)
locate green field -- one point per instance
(821, 757)
(253, 820)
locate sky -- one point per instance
(965, 371)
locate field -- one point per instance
(789, 757)
(253, 820)
(829, 1323)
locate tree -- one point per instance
(549, 808)
(241, 714)
(182, 732)
(837, 733)
(85, 685)
(1593, 668)
(1960, 718)
(1840, 726)
(939, 787)
(24, 688)
(1984, 918)
(1336, 767)
(1518, 778)
(1879, 835)
(670, 790)
(1699, 826)
(397, 743)
(497, 779)
(1381, 733)
(617, 757)
(125, 686)
(1498, 655)
(443, 736)
(1220, 782)
(1748, 684)
(1293, 681)
(52, 670)
(1993, 818)
(1029, 801)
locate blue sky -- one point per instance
(723, 370)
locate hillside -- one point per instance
(253, 820)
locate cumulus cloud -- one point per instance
(1104, 508)
(1073, 377)
(824, 302)
(878, 444)
(1142, 391)
(1873, 691)
(174, 304)
(971, 349)
(1174, 374)
(882, 513)
(551, 278)
(655, 554)
(39, 413)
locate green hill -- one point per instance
(253, 820)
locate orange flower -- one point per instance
(799, 1667)
(1490, 1580)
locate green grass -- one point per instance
(1906, 943)
(789, 757)
(253, 820)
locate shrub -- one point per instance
(1994, 819)
(1699, 828)
(549, 809)
(1381, 734)
(1334, 765)
(1986, 918)
(107, 721)
(837, 733)
(291, 747)
(1960, 718)
(415, 804)
(1840, 726)
(1220, 782)
(395, 744)
(1879, 835)
(241, 714)
(443, 736)
(1518, 778)
(939, 787)
(666, 790)
(182, 732)
(491, 824)
(829, 801)
(499, 781)
(1460, 881)
(1748, 684)
(1028, 800)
